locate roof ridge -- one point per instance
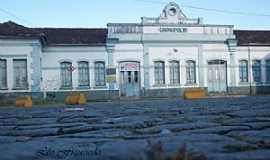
(250, 30)
(68, 28)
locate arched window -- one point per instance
(243, 70)
(3, 74)
(256, 70)
(83, 70)
(268, 70)
(159, 72)
(191, 72)
(174, 72)
(99, 73)
(66, 74)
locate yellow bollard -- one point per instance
(67, 100)
(75, 98)
(82, 99)
(24, 101)
(194, 93)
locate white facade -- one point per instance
(12, 50)
(53, 56)
(172, 37)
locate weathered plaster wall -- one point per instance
(53, 56)
(22, 49)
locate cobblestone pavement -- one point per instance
(214, 129)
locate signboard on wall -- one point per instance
(173, 29)
(129, 66)
(111, 75)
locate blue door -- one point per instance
(129, 79)
(130, 83)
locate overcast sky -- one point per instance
(97, 13)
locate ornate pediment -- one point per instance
(172, 10)
(171, 14)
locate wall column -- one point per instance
(75, 75)
(10, 72)
(36, 72)
(111, 67)
(92, 74)
(146, 67)
(232, 43)
(201, 66)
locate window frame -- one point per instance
(189, 74)
(18, 73)
(3, 68)
(68, 83)
(100, 79)
(159, 73)
(83, 74)
(255, 69)
(267, 70)
(174, 72)
(242, 74)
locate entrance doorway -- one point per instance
(129, 79)
(217, 76)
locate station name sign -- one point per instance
(178, 30)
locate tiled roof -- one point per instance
(74, 36)
(55, 36)
(12, 30)
(252, 38)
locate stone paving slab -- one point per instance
(220, 128)
(249, 155)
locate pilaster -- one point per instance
(146, 67)
(36, 72)
(232, 44)
(111, 68)
(201, 66)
